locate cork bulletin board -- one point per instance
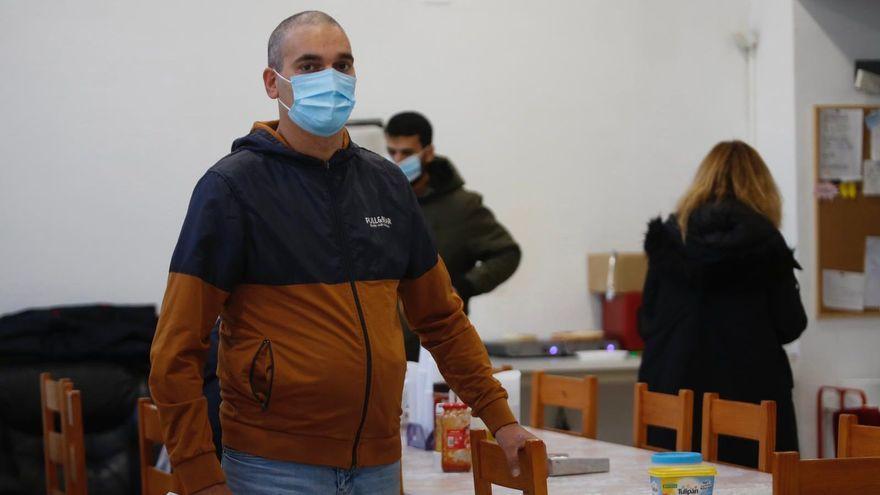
(844, 221)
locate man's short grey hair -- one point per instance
(276, 40)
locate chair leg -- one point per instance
(481, 486)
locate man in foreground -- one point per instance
(302, 243)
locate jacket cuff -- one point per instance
(497, 415)
(200, 472)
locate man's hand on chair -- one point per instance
(512, 438)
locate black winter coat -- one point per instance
(717, 310)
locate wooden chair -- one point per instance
(793, 476)
(153, 481)
(739, 419)
(675, 412)
(64, 449)
(490, 466)
(855, 440)
(565, 391)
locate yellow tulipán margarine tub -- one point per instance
(681, 473)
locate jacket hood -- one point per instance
(265, 140)
(726, 242)
(443, 178)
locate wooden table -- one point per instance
(628, 475)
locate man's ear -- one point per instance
(428, 154)
(269, 82)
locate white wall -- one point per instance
(829, 36)
(577, 120)
(775, 133)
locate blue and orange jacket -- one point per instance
(305, 261)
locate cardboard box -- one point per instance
(629, 273)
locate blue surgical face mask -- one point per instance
(411, 166)
(322, 101)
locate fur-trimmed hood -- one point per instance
(727, 243)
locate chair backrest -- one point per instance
(565, 391)
(742, 420)
(855, 440)
(793, 476)
(490, 466)
(64, 448)
(675, 412)
(153, 481)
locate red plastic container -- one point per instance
(620, 320)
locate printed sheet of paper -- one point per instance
(871, 181)
(872, 272)
(840, 143)
(875, 143)
(843, 290)
(872, 120)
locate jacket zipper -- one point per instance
(340, 232)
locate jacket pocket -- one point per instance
(262, 374)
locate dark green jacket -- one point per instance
(478, 251)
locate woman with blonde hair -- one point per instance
(721, 298)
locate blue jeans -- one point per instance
(248, 474)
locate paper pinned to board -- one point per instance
(840, 143)
(872, 120)
(871, 182)
(843, 290)
(872, 272)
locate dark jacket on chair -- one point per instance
(104, 350)
(717, 310)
